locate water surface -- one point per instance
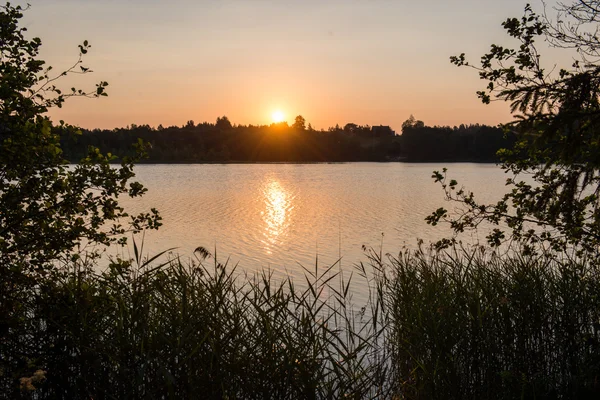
(281, 216)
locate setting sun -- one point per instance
(277, 116)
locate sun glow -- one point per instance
(277, 116)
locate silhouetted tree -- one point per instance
(557, 123)
(411, 122)
(47, 207)
(205, 142)
(299, 123)
(350, 128)
(223, 123)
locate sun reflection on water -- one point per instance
(278, 206)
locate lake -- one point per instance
(280, 216)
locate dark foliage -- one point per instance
(553, 196)
(221, 142)
(48, 207)
(463, 143)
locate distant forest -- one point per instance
(222, 142)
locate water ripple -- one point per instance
(280, 215)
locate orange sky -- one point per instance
(332, 61)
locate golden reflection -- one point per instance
(278, 206)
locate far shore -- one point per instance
(312, 162)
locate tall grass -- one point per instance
(464, 324)
(473, 325)
(192, 330)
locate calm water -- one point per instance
(281, 215)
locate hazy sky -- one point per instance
(332, 61)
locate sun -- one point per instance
(277, 116)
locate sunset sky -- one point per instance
(332, 61)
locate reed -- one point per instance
(454, 325)
(193, 329)
(471, 324)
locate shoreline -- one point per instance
(305, 162)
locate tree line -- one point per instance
(223, 141)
